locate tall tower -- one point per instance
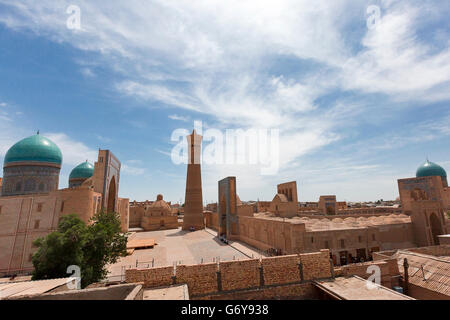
(193, 208)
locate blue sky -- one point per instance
(357, 107)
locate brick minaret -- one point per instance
(193, 208)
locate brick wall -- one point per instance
(272, 266)
(304, 291)
(155, 277)
(360, 269)
(442, 250)
(240, 274)
(316, 265)
(200, 278)
(237, 275)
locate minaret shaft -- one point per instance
(193, 208)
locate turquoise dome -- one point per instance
(430, 169)
(82, 171)
(36, 149)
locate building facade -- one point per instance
(31, 204)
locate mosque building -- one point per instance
(31, 166)
(31, 203)
(350, 234)
(80, 174)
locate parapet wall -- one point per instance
(388, 271)
(298, 291)
(235, 276)
(154, 277)
(240, 274)
(438, 251)
(200, 279)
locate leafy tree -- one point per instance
(90, 247)
(105, 244)
(60, 249)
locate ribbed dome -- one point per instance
(430, 169)
(35, 149)
(82, 171)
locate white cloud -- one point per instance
(396, 62)
(179, 118)
(131, 170)
(87, 72)
(74, 152)
(218, 54)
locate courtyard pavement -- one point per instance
(181, 247)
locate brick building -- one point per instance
(31, 204)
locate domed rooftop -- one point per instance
(36, 148)
(160, 203)
(430, 169)
(82, 171)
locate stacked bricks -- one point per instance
(201, 279)
(155, 277)
(240, 274)
(316, 265)
(288, 264)
(304, 291)
(361, 270)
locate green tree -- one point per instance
(105, 244)
(90, 247)
(60, 249)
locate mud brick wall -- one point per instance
(305, 291)
(155, 277)
(361, 269)
(239, 274)
(316, 265)
(281, 270)
(200, 279)
(442, 250)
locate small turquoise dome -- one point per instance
(430, 169)
(82, 171)
(36, 149)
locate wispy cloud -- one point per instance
(74, 152)
(179, 118)
(227, 61)
(87, 72)
(132, 170)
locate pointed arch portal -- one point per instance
(112, 196)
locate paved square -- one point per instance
(181, 247)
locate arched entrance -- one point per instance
(112, 196)
(436, 228)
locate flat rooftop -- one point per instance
(356, 288)
(24, 288)
(181, 247)
(177, 292)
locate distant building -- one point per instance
(154, 215)
(351, 234)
